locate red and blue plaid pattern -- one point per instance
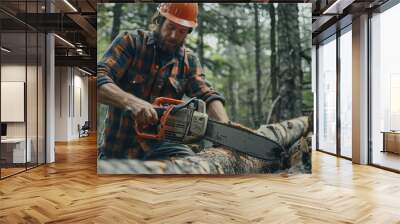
(131, 62)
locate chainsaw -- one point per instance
(188, 122)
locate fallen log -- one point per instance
(221, 160)
(300, 157)
(286, 132)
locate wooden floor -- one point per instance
(70, 191)
(387, 159)
(10, 171)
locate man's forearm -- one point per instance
(111, 94)
(216, 111)
(142, 111)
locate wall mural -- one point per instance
(208, 88)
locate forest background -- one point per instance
(257, 55)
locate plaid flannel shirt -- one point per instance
(131, 62)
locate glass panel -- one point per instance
(22, 68)
(41, 99)
(31, 98)
(13, 86)
(346, 94)
(32, 88)
(327, 96)
(385, 89)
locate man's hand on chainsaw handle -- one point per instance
(143, 112)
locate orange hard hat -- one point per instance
(184, 14)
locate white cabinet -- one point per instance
(15, 148)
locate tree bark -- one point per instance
(258, 66)
(233, 95)
(117, 11)
(273, 69)
(200, 39)
(272, 110)
(151, 9)
(290, 72)
(251, 107)
(290, 134)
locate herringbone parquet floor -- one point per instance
(70, 191)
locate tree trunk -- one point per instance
(251, 107)
(200, 40)
(273, 69)
(151, 9)
(224, 161)
(258, 66)
(235, 99)
(117, 11)
(233, 95)
(272, 109)
(290, 72)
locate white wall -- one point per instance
(61, 103)
(71, 94)
(13, 72)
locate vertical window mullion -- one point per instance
(369, 100)
(26, 86)
(317, 97)
(338, 73)
(37, 90)
(0, 91)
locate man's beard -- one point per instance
(166, 47)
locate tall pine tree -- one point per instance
(289, 52)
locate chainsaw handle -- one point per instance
(165, 100)
(144, 135)
(182, 105)
(162, 110)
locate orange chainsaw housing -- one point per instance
(163, 119)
